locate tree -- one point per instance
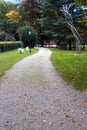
(28, 40)
(48, 16)
(53, 25)
(29, 11)
(14, 16)
(81, 2)
(3, 10)
(5, 7)
(65, 9)
(64, 6)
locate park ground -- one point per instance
(33, 96)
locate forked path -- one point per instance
(34, 97)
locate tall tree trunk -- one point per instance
(69, 20)
(70, 45)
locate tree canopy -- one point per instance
(53, 22)
(46, 16)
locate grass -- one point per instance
(72, 68)
(9, 58)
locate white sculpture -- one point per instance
(27, 48)
(20, 50)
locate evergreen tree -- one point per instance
(50, 8)
(29, 11)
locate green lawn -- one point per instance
(9, 58)
(72, 68)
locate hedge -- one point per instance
(9, 45)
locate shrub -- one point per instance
(9, 38)
(2, 36)
(28, 40)
(9, 45)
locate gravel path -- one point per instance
(34, 97)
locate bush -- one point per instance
(28, 40)
(9, 45)
(2, 36)
(10, 38)
(6, 37)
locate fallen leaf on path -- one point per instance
(66, 114)
(14, 123)
(63, 127)
(56, 117)
(72, 111)
(7, 121)
(30, 113)
(55, 101)
(61, 111)
(50, 123)
(44, 120)
(73, 119)
(82, 113)
(4, 128)
(61, 123)
(25, 94)
(40, 128)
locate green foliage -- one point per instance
(72, 68)
(81, 2)
(9, 45)
(48, 19)
(9, 37)
(53, 24)
(5, 24)
(9, 58)
(26, 38)
(4, 8)
(82, 25)
(29, 11)
(6, 37)
(2, 36)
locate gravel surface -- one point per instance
(34, 97)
